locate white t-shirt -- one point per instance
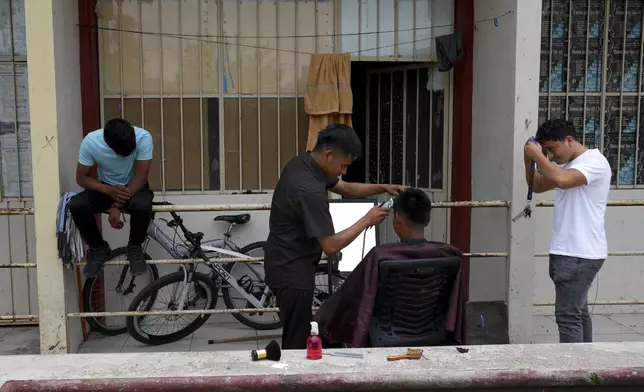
(578, 223)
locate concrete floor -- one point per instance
(24, 340)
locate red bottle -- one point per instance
(314, 343)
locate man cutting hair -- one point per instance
(578, 247)
(301, 227)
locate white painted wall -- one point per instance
(492, 125)
(620, 279)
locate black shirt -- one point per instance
(299, 216)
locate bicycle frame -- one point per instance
(225, 246)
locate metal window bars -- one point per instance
(591, 74)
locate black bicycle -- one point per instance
(189, 289)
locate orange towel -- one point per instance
(328, 98)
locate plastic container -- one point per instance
(314, 343)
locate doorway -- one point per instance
(400, 113)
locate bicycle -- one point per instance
(96, 300)
(188, 287)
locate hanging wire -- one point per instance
(207, 38)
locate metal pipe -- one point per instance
(183, 160)
(226, 260)
(600, 303)
(612, 203)
(266, 310)
(19, 265)
(620, 125)
(258, 59)
(16, 211)
(257, 207)
(171, 312)
(15, 98)
(200, 60)
(161, 80)
(622, 254)
(19, 317)
(239, 98)
(602, 114)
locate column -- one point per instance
(504, 115)
(54, 104)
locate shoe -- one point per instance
(138, 266)
(95, 260)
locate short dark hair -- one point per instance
(555, 130)
(119, 136)
(414, 205)
(341, 138)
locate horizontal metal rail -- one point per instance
(612, 203)
(18, 265)
(257, 207)
(598, 303)
(267, 310)
(16, 211)
(267, 206)
(19, 317)
(225, 260)
(625, 253)
(173, 312)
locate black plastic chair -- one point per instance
(412, 302)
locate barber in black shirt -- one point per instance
(301, 226)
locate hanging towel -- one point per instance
(328, 98)
(449, 50)
(71, 249)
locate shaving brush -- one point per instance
(271, 352)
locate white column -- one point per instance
(505, 114)
(55, 107)
(526, 112)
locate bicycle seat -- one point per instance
(236, 219)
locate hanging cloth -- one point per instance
(328, 98)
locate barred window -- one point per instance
(591, 74)
(220, 84)
(15, 128)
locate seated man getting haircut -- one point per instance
(345, 318)
(122, 154)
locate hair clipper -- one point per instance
(387, 204)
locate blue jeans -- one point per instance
(572, 277)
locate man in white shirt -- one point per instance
(578, 248)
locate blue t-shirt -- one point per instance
(114, 169)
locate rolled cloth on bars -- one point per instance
(328, 98)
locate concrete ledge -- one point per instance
(517, 366)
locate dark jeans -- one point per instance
(84, 205)
(296, 316)
(572, 277)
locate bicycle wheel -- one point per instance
(150, 329)
(321, 291)
(113, 292)
(250, 276)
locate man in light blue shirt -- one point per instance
(122, 153)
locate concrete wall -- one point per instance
(494, 67)
(492, 133)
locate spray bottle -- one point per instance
(314, 343)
